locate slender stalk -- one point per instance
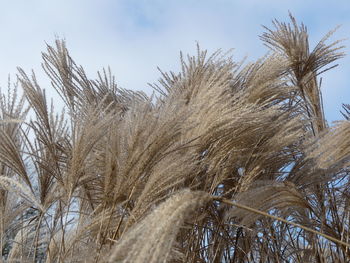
(256, 211)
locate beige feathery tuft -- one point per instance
(226, 162)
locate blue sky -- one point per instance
(134, 37)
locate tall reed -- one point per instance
(226, 162)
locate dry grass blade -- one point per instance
(333, 147)
(262, 213)
(152, 239)
(13, 185)
(291, 41)
(10, 155)
(346, 112)
(266, 196)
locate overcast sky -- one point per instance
(134, 37)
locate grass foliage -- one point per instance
(226, 162)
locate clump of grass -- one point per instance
(226, 162)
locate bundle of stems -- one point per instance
(226, 161)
